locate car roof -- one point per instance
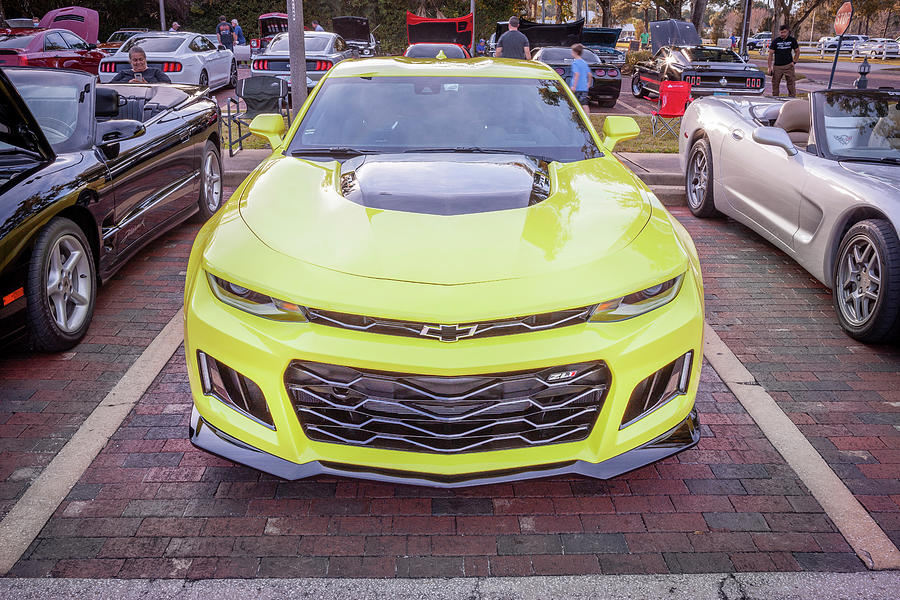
(475, 67)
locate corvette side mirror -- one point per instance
(774, 136)
(269, 126)
(618, 129)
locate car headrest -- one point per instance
(106, 103)
(794, 116)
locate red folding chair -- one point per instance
(674, 97)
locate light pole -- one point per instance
(297, 47)
(472, 10)
(162, 15)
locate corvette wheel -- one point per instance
(210, 181)
(637, 88)
(608, 103)
(233, 78)
(698, 180)
(866, 289)
(61, 286)
(204, 79)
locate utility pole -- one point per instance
(297, 47)
(472, 10)
(745, 28)
(543, 10)
(162, 15)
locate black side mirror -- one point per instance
(220, 47)
(118, 130)
(92, 46)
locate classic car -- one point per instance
(185, 57)
(819, 178)
(83, 22)
(542, 34)
(602, 42)
(679, 55)
(323, 51)
(422, 30)
(607, 81)
(442, 276)
(270, 25)
(90, 173)
(112, 44)
(52, 48)
(356, 32)
(424, 50)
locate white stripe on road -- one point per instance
(27, 517)
(858, 527)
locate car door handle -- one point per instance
(737, 134)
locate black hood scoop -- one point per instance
(445, 183)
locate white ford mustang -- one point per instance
(184, 57)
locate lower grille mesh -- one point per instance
(427, 413)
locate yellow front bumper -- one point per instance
(262, 349)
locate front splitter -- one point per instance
(681, 437)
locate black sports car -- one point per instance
(607, 81)
(602, 42)
(679, 55)
(89, 174)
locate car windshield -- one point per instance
(862, 125)
(311, 43)
(58, 103)
(711, 55)
(467, 114)
(120, 36)
(169, 43)
(15, 41)
(432, 50)
(564, 55)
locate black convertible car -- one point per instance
(89, 174)
(679, 55)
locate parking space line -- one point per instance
(858, 527)
(27, 517)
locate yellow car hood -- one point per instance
(296, 207)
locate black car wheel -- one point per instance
(866, 282)
(233, 78)
(210, 181)
(61, 286)
(204, 79)
(608, 103)
(637, 88)
(698, 180)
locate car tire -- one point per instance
(211, 193)
(608, 103)
(637, 88)
(869, 254)
(233, 76)
(61, 286)
(698, 180)
(204, 79)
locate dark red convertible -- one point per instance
(53, 48)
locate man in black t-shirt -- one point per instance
(784, 52)
(225, 32)
(513, 43)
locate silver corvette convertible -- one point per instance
(817, 177)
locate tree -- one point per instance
(698, 11)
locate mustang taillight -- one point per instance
(754, 82)
(692, 79)
(600, 72)
(108, 67)
(171, 67)
(323, 65)
(261, 65)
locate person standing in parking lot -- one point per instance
(316, 26)
(238, 33)
(581, 77)
(784, 52)
(513, 43)
(225, 32)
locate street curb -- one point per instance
(724, 586)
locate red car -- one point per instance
(54, 48)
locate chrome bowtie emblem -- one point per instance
(448, 333)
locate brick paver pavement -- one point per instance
(152, 506)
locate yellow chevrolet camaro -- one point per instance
(442, 276)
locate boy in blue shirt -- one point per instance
(582, 79)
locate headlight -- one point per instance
(255, 303)
(637, 303)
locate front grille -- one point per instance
(431, 413)
(452, 333)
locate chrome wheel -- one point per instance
(69, 283)
(698, 179)
(637, 88)
(859, 280)
(212, 181)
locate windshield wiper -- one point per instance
(891, 160)
(478, 150)
(331, 150)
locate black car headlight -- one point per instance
(637, 303)
(255, 303)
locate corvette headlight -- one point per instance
(255, 303)
(637, 303)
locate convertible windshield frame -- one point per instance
(878, 101)
(402, 114)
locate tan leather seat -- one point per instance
(794, 118)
